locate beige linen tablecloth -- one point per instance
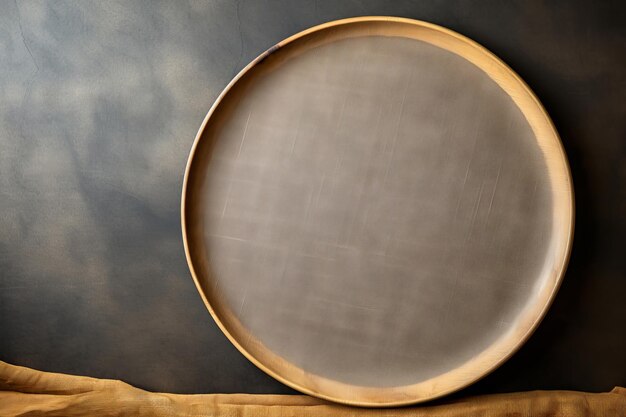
(27, 392)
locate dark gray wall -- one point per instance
(99, 105)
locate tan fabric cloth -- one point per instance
(27, 392)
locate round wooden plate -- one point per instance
(377, 211)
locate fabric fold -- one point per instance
(28, 392)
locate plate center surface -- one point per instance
(376, 210)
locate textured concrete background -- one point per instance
(99, 105)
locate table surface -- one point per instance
(100, 104)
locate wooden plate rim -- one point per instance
(479, 366)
